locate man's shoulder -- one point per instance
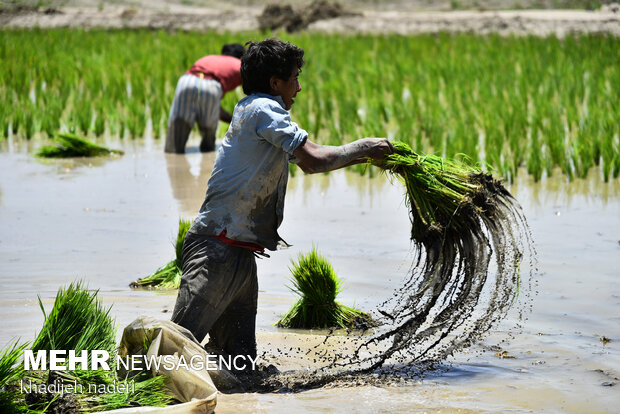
(260, 102)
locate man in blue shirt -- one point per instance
(244, 204)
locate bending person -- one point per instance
(198, 95)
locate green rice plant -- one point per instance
(100, 117)
(440, 90)
(317, 284)
(10, 369)
(83, 115)
(169, 275)
(50, 123)
(145, 392)
(70, 145)
(136, 118)
(77, 321)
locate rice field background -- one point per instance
(551, 105)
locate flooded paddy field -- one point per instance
(109, 221)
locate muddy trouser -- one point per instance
(195, 100)
(218, 294)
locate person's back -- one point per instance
(197, 98)
(224, 69)
(245, 194)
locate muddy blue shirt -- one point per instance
(245, 194)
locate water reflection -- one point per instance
(189, 174)
(550, 191)
(557, 190)
(367, 186)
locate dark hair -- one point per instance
(233, 49)
(271, 57)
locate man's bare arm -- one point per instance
(315, 158)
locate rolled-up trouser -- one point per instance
(195, 100)
(218, 294)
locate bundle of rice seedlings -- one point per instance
(461, 218)
(10, 370)
(77, 321)
(151, 392)
(169, 275)
(317, 284)
(70, 145)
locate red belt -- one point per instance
(246, 245)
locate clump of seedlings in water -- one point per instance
(317, 284)
(169, 275)
(70, 145)
(77, 321)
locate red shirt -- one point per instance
(224, 69)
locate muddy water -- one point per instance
(109, 221)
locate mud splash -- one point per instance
(463, 280)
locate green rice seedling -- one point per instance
(317, 284)
(83, 115)
(10, 370)
(169, 275)
(30, 123)
(441, 90)
(136, 118)
(100, 118)
(5, 118)
(77, 321)
(50, 123)
(70, 145)
(461, 218)
(146, 392)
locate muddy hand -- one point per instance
(380, 148)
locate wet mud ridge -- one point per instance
(318, 16)
(284, 16)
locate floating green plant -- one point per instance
(70, 145)
(169, 275)
(317, 284)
